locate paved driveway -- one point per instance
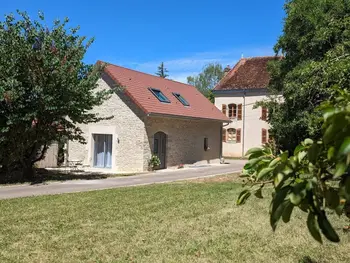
(164, 176)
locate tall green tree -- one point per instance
(316, 45)
(207, 79)
(162, 71)
(46, 89)
(311, 124)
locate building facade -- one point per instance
(151, 116)
(236, 96)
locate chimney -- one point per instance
(227, 69)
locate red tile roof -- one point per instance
(249, 73)
(136, 87)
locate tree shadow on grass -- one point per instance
(44, 175)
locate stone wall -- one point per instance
(185, 139)
(127, 129)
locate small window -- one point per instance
(206, 144)
(181, 99)
(232, 111)
(231, 135)
(160, 96)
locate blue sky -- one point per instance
(185, 34)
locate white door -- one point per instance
(102, 150)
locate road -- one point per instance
(164, 176)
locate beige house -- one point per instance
(152, 115)
(235, 96)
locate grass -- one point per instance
(195, 221)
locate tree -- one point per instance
(207, 79)
(162, 71)
(315, 178)
(46, 90)
(312, 123)
(315, 32)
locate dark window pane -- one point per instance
(181, 99)
(159, 95)
(155, 148)
(206, 146)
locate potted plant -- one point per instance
(154, 163)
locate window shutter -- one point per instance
(264, 113)
(238, 135)
(224, 135)
(224, 109)
(263, 136)
(239, 114)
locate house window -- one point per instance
(263, 113)
(181, 99)
(231, 135)
(232, 111)
(263, 136)
(206, 144)
(224, 109)
(159, 95)
(235, 111)
(224, 135)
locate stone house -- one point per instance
(236, 95)
(151, 115)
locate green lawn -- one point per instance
(181, 222)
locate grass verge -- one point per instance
(195, 221)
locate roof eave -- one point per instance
(156, 114)
(235, 90)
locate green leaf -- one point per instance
(327, 229)
(347, 187)
(330, 153)
(301, 156)
(340, 169)
(264, 172)
(243, 196)
(313, 153)
(333, 129)
(332, 198)
(253, 150)
(308, 142)
(298, 149)
(251, 163)
(278, 179)
(256, 155)
(284, 156)
(295, 198)
(277, 206)
(277, 213)
(275, 162)
(287, 212)
(313, 228)
(345, 147)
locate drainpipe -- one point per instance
(243, 128)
